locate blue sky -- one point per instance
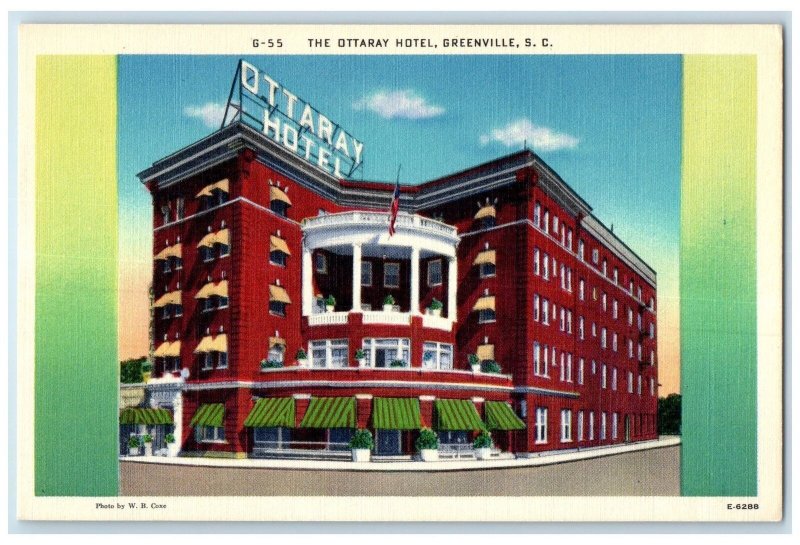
(609, 125)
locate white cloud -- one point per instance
(406, 104)
(516, 133)
(209, 113)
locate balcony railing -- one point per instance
(328, 318)
(380, 317)
(404, 220)
(393, 318)
(437, 322)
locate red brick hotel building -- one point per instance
(274, 333)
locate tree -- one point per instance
(669, 414)
(130, 370)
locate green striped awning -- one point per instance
(135, 415)
(210, 414)
(271, 412)
(395, 413)
(458, 415)
(500, 416)
(330, 412)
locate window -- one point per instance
(277, 258)
(614, 378)
(605, 302)
(639, 351)
(580, 425)
(616, 275)
(537, 214)
(391, 275)
(555, 225)
(535, 308)
(563, 370)
(615, 309)
(276, 353)
(435, 272)
(639, 293)
(541, 425)
(630, 316)
(594, 329)
(546, 220)
(279, 207)
(591, 426)
(630, 382)
(274, 438)
(165, 214)
(569, 279)
(366, 273)
(580, 371)
(639, 385)
(488, 222)
(166, 267)
(652, 386)
(595, 256)
(545, 308)
(563, 277)
(581, 289)
(536, 359)
(581, 249)
(652, 304)
(630, 287)
(569, 367)
(321, 263)
(329, 353)
(536, 261)
(614, 342)
(614, 424)
(437, 355)
(562, 324)
(180, 207)
(580, 328)
(209, 434)
(173, 364)
(207, 253)
(605, 267)
(652, 330)
(603, 339)
(630, 348)
(566, 426)
(546, 264)
(215, 359)
(382, 352)
(546, 364)
(224, 250)
(603, 377)
(487, 270)
(569, 321)
(602, 425)
(277, 308)
(569, 239)
(486, 315)
(652, 355)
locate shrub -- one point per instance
(130, 371)
(360, 354)
(147, 367)
(362, 439)
(473, 359)
(388, 300)
(436, 304)
(271, 364)
(301, 354)
(133, 442)
(484, 440)
(397, 363)
(427, 440)
(330, 301)
(147, 438)
(169, 438)
(490, 366)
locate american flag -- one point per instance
(395, 206)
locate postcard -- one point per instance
(400, 273)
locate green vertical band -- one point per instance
(718, 276)
(76, 277)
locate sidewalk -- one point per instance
(543, 459)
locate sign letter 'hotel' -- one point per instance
(285, 316)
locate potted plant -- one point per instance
(301, 357)
(435, 308)
(172, 446)
(271, 364)
(397, 363)
(361, 444)
(483, 445)
(491, 366)
(133, 445)
(474, 363)
(428, 445)
(148, 444)
(361, 358)
(388, 303)
(330, 303)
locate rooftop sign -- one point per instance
(293, 123)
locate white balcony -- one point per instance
(328, 318)
(437, 322)
(392, 318)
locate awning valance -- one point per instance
(168, 350)
(219, 289)
(204, 345)
(485, 212)
(210, 414)
(278, 294)
(171, 298)
(222, 185)
(136, 415)
(277, 341)
(220, 343)
(395, 414)
(271, 412)
(330, 412)
(486, 302)
(485, 352)
(278, 194)
(500, 416)
(457, 415)
(207, 240)
(223, 237)
(486, 256)
(277, 244)
(169, 251)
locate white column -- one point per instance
(452, 286)
(356, 277)
(308, 284)
(414, 307)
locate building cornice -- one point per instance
(346, 384)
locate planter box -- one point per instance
(476, 368)
(173, 449)
(361, 454)
(329, 308)
(133, 451)
(388, 308)
(483, 453)
(148, 449)
(435, 312)
(362, 362)
(429, 455)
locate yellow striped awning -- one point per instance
(205, 292)
(278, 294)
(210, 414)
(221, 185)
(162, 255)
(484, 303)
(207, 240)
(278, 194)
(485, 352)
(485, 212)
(486, 256)
(168, 350)
(176, 250)
(277, 341)
(277, 244)
(206, 345)
(171, 298)
(220, 289)
(220, 343)
(223, 237)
